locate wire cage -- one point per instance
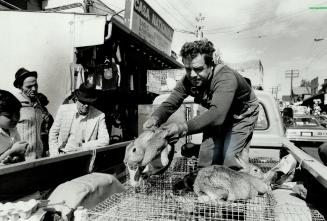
(156, 199)
(163, 206)
(264, 163)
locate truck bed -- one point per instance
(155, 200)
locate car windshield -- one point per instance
(305, 121)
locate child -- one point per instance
(11, 149)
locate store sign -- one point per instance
(147, 24)
(159, 81)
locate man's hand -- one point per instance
(19, 147)
(72, 147)
(175, 131)
(151, 123)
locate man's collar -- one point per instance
(80, 115)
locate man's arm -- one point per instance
(173, 102)
(54, 133)
(103, 135)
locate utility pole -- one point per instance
(199, 26)
(292, 74)
(274, 91)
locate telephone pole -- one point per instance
(199, 26)
(275, 90)
(292, 74)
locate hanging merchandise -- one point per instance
(98, 81)
(107, 70)
(110, 75)
(117, 50)
(119, 76)
(76, 77)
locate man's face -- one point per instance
(30, 87)
(9, 120)
(196, 70)
(83, 108)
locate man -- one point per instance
(29, 125)
(78, 126)
(232, 108)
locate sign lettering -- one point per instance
(146, 23)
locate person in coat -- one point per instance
(78, 126)
(29, 125)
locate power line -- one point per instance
(255, 24)
(113, 5)
(190, 22)
(173, 16)
(317, 57)
(314, 43)
(188, 9)
(185, 31)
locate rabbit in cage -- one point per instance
(217, 182)
(149, 154)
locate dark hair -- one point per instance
(8, 102)
(199, 47)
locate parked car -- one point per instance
(322, 120)
(306, 128)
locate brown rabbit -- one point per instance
(145, 148)
(216, 183)
(149, 154)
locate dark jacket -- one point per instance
(225, 95)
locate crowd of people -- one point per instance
(28, 131)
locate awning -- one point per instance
(309, 100)
(141, 43)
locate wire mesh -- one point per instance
(156, 200)
(264, 163)
(139, 206)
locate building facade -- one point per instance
(252, 70)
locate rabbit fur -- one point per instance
(145, 148)
(149, 154)
(217, 183)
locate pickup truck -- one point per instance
(269, 144)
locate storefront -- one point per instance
(118, 68)
(320, 99)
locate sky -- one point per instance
(280, 33)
